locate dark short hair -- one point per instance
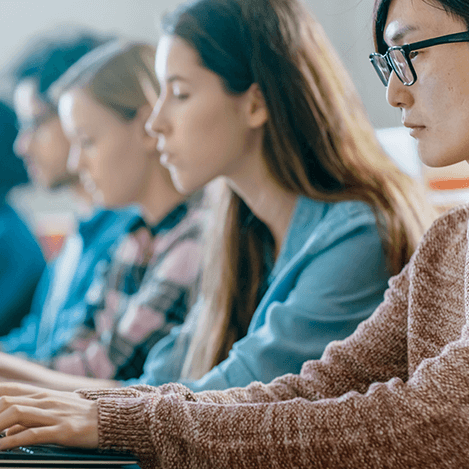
(13, 171)
(458, 8)
(50, 57)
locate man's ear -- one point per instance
(257, 108)
(140, 120)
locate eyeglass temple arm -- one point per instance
(458, 37)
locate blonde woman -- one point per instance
(136, 298)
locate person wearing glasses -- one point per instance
(148, 286)
(40, 141)
(58, 305)
(392, 395)
(21, 259)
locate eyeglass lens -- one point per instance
(382, 68)
(396, 57)
(401, 66)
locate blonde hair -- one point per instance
(116, 75)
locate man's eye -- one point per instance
(413, 54)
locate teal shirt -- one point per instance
(331, 273)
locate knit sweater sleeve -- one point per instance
(291, 422)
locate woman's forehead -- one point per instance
(174, 57)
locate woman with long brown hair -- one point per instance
(296, 255)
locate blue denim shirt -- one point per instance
(331, 273)
(21, 266)
(53, 318)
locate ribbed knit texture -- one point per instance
(393, 395)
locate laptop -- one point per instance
(53, 456)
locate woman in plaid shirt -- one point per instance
(137, 297)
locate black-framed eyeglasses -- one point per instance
(398, 59)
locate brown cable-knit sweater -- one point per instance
(393, 395)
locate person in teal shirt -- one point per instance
(21, 259)
(329, 276)
(56, 300)
(59, 304)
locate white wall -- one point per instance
(347, 22)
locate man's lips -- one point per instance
(411, 125)
(414, 128)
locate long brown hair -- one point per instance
(318, 143)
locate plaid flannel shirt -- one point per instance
(137, 298)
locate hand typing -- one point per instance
(30, 415)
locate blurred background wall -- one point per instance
(347, 22)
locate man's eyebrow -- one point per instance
(400, 33)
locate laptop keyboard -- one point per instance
(19, 449)
(66, 456)
(31, 450)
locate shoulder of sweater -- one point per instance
(452, 222)
(444, 236)
(454, 215)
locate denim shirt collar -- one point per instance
(306, 215)
(99, 219)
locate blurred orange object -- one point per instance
(51, 245)
(52, 229)
(447, 186)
